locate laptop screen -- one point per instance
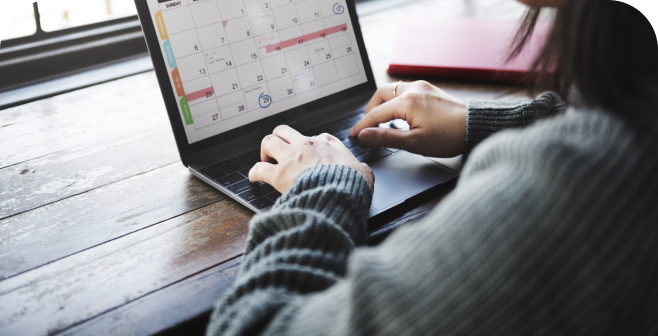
(233, 62)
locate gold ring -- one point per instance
(395, 89)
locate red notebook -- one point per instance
(463, 48)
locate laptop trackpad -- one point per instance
(404, 175)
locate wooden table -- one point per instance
(104, 231)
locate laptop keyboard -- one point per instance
(233, 173)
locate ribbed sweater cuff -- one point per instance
(486, 117)
(336, 191)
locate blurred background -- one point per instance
(51, 47)
(63, 14)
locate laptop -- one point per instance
(230, 71)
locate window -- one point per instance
(22, 23)
(55, 39)
(63, 14)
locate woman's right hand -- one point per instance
(437, 121)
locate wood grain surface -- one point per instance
(119, 109)
(167, 253)
(80, 222)
(181, 302)
(102, 229)
(48, 179)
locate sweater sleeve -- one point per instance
(541, 236)
(486, 117)
(300, 247)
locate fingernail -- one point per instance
(365, 136)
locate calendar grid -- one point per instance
(333, 58)
(259, 58)
(284, 99)
(218, 116)
(234, 58)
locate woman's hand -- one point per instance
(437, 121)
(295, 152)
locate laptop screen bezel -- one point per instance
(186, 149)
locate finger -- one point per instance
(273, 147)
(386, 93)
(288, 134)
(378, 98)
(388, 111)
(388, 137)
(262, 171)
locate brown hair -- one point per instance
(605, 49)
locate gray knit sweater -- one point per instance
(551, 230)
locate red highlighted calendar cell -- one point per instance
(306, 38)
(205, 93)
(336, 29)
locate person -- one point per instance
(551, 229)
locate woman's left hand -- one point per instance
(295, 152)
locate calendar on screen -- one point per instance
(232, 62)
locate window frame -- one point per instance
(30, 60)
